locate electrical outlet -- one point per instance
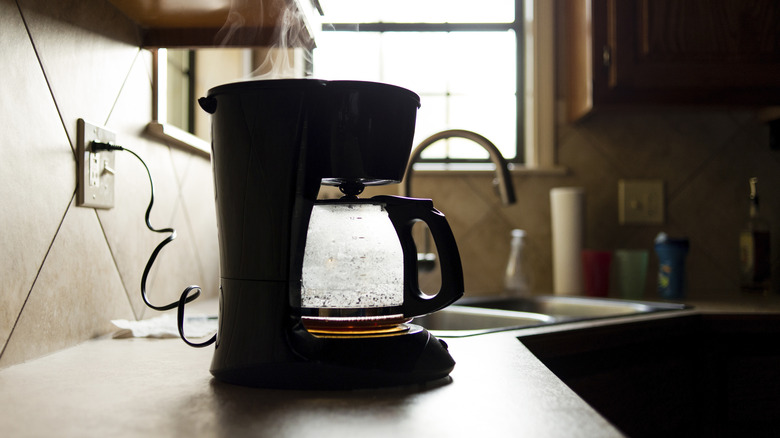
(641, 201)
(95, 170)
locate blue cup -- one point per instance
(671, 266)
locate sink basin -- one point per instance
(567, 307)
(476, 315)
(457, 321)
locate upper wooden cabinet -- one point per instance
(703, 52)
(213, 23)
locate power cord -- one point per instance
(185, 296)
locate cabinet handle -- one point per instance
(606, 56)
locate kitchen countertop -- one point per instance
(135, 387)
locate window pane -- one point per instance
(492, 116)
(418, 11)
(416, 60)
(178, 89)
(348, 55)
(481, 62)
(461, 148)
(431, 118)
(351, 11)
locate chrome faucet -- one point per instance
(503, 179)
(426, 261)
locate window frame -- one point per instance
(540, 103)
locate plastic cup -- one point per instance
(631, 269)
(595, 269)
(671, 268)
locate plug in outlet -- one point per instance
(95, 170)
(641, 202)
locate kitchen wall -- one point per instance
(67, 270)
(705, 158)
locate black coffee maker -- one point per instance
(274, 143)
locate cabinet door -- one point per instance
(708, 52)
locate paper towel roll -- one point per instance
(567, 208)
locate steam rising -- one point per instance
(277, 22)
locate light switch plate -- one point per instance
(95, 170)
(641, 201)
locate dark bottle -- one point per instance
(754, 248)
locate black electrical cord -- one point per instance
(185, 296)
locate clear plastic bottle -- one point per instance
(516, 279)
(754, 248)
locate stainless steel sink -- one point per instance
(457, 321)
(477, 315)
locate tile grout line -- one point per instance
(37, 274)
(70, 202)
(597, 146)
(102, 227)
(116, 265)
(180, 181)
(46, 78)
(122, 87)
(73, 150)
(155, 270)
(713, 154)
(695, 174)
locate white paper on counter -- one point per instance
(165, 326)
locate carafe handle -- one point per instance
(404, 213)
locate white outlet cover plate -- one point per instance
(641, 201)
(94, 170)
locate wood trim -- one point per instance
(579, 40)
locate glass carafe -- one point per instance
(360, 265)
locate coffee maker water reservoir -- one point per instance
(318, 294)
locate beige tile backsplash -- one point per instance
(68, 270)
(705, 158)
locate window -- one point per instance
(461, 59)
(173, 112)
(180, 89)
(485, 67)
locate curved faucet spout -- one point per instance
(503, 179)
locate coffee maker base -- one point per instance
(414, 357)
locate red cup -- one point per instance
(595, 269)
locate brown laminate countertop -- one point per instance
(153, 387)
